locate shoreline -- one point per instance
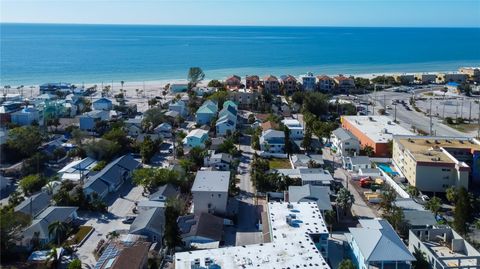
(159, 84)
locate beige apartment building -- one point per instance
(425, 78)
(404, 78)
(434, 164)
(473, 73)
(450, 77)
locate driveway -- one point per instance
(118, 209)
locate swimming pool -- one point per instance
(386, 168)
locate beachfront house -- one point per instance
(210, 192)
(325, 83)
(344, 84)
(272, 141)
(102, 104)
(377, 245)
(178, 87)
(196, 138)
(308, 82)
(289, 83)
(178, 106)
(233, 82)
(55, 87)
(252, 82)
(206, 112)
(271, 84)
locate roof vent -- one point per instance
(290, 206)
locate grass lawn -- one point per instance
(80, 234)
(464, 127)
(279, 164)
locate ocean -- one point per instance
(37, 53)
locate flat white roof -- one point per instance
(290, 246)
(211, 181)
(379, 129)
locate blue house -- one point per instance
(196, 138)
(89, 119)
(377, 245)
(178, 87)
(26, 116)
(206, 112)
(102, 104)
(178, 106)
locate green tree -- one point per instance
(118, 136)
(451, 194)
(25, 140)
(172, 232)
(420, 260)
(12, 225)
(215, 83)
(395, 217)
(195, 75)
(197, 155)
(461, 213)
(307, 139)
(75, 264)
(99, 166)
(388, 198)
(151, 178)
(434, 205)
(412, 190)
(32, 183)
(102, 149)
(148, 149)
(368, 150)
(152, 118)
(344, 200)
(330, 219)
(346, 264)
(53, 258)
(58, 230)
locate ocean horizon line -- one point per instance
(244, 26)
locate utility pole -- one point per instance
(431, 121)
(470, 113)
(374, 98)
(395, 120)
(478, 134)
(461, 109)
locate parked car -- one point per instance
(128, 219)
(424, 198)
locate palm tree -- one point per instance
(434, 205)
(53, 257)
(58, 229)
(412, 190)
(344, 200)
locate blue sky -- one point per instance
(383, 13)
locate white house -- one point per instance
(210, 192)
(218, 161)
(309, 82)
(77, 170)
(102, 104)
(344, 142)
(196, 138)
(356, 163)
(296, 129)
(272, 141)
